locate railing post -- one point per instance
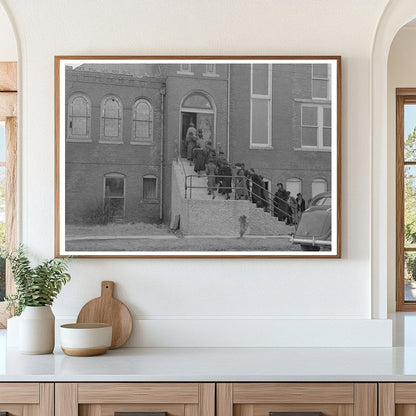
(186, 186)
(190, 188)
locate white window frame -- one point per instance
(134, 139)
(116, 139)
(79, 138)
(320, 126)
(185, 69)
(209, 73)
(118, 176)
(157, 189)
(294, 180)
(327, 79)
(266, 97)
(316, 181)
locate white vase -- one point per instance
(37, 330)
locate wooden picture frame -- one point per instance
(198, 156)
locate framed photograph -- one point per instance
(198, 156)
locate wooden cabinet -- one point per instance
(106, 399)
(397, 399)
(27, 399)
(262, 399)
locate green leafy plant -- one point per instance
(38, 285)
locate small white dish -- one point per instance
(84, 340)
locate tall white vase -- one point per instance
(37, 330)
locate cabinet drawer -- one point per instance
(21, 399)
(146, 399)
(297, 399)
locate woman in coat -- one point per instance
(199, 159)
(211, 172)
(241, 190)
(225, 176)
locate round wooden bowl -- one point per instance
(84, 340)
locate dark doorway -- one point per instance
(187, 119)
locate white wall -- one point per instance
(401, 74)
(212, 302)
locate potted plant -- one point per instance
(36, 289)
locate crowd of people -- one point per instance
(247, 184)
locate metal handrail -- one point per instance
(271, 197)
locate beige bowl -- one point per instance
(83, 340)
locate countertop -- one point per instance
(214, 364)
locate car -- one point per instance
(314, 230)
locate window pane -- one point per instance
(319, 186)
(327, 117)
(149, 188)
(261, 79)
(410, 132)
(143, 111)
(142, 129)
(111, 108)
(309, 116)
(197, 101)
(80, 106)
(114, 187)
(320, 70)
(409, 276)
(309, 136)
(260, 121)
(111, 128)
(326, 139)
(410, 206)
(79, 126)
(293, 185)
(210, 68)
(319, 88)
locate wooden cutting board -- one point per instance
(108, 310)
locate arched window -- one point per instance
(142, 122)
(114, 196)
(197, 101)
(150, 188)
(111, 120)
(79, 118)
(294, 186)
(318, 186)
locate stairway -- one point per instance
(202, 215)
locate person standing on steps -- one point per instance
(190, 145)
(211, 171)
(199, 159)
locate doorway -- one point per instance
(199, 110)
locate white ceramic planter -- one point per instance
(37, 330)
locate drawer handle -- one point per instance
(139, 414)
(295, 413)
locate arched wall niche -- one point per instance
(396, 15)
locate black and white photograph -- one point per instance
(198, 156)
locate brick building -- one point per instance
(280, 124)
(126, 124)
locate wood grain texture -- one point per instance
(8, 105)
(84, 352)
(190, 410)
(340, 393)
(90, 410)
(405, 393)
(386, 399)
(207, 399)
(346, 410)
(405, 410)
(8, 76)
(365, 399)
(138, 393)
(24, 393)
(47, 399)
(66, 399)
(224, 399)
(109, 310)
(110, 409)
